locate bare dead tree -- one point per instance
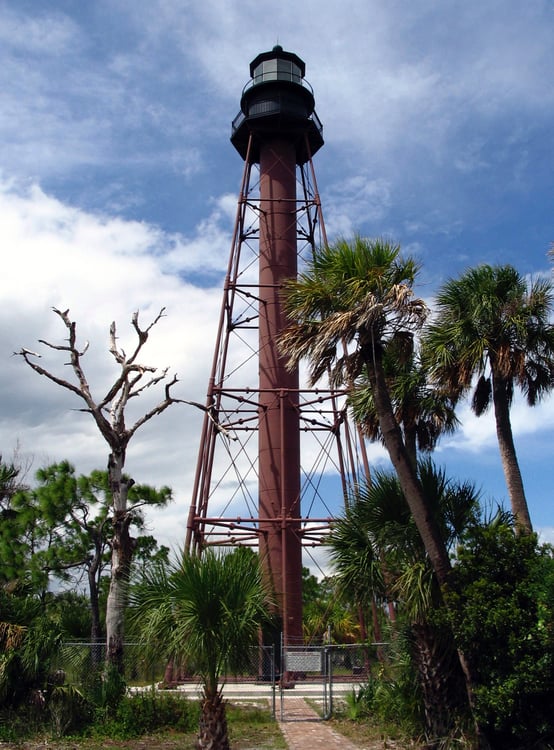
(109, 414)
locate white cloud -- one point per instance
(353, 202)
(208, 250)
(51, 34)
(478, 434)
(546, 534)
(102, 269)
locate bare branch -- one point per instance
(112, 425)
(54, 378)
(129, 365)
(146, 331)
(161, 407)
(213, 416)
(151, 382)
(81, 390)
(119, 357)
(75, 356)
(143, 333)
(172, 382)
(57, 347)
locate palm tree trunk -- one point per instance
(410, 439)
(392, 437)
(377, 633)
(95, 628)
(510, 465)
(440, 678)
(427, 527)
(212, 733)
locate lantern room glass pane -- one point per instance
(276, 69)
(288, 71)
(270, 70)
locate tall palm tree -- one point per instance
(423, 411)
(492, 333)
(205, 611)
(378, 525)
(351, 300)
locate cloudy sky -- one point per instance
(118, 188)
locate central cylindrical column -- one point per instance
(279, 434)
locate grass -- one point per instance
(251, 727)
(367, 734)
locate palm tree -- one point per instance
(351, 300)
(492, 333)
(378, 525)
(423, 411)
(332, 619)
(205, 611)
(29, 641)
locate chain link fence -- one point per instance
(81, 662)
(324, 673)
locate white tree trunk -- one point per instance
(122, 551)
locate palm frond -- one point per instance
(205, 609)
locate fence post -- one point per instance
(327, 683)
(273, 680)
(281, 696)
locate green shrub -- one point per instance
(359, 702)
(112, 689)
(391, 697)
(68, 711)
(147, 712)
(501, 602)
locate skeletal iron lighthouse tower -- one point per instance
(252, 484)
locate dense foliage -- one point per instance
(378, 557)
(51, 537)
(28, 642)
(501, 603)
(145, 713)
(70, 711)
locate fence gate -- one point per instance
(306, 673)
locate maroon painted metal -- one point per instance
(252, 485)
(279, 425)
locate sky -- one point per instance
(118, 191)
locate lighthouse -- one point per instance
(251, 485)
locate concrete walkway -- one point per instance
(303, 729)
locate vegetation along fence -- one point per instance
(323, 673)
